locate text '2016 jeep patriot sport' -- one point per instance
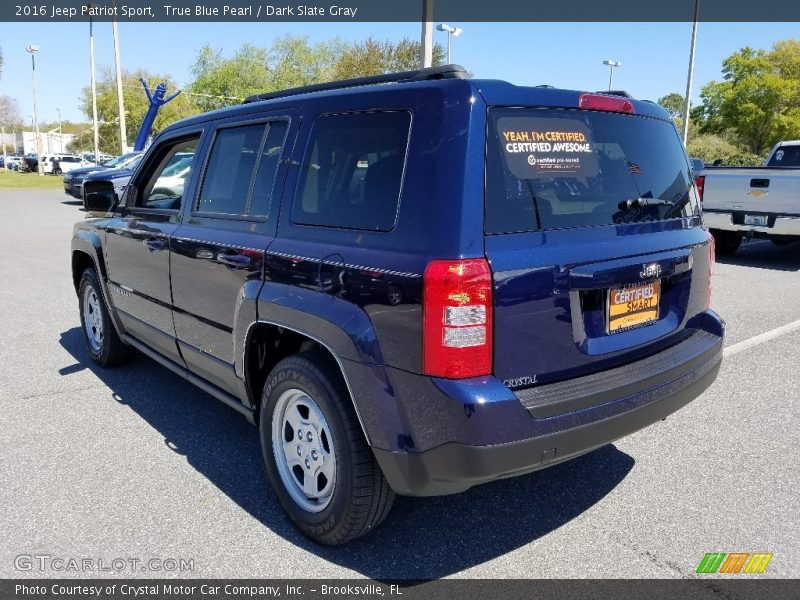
(414, 283)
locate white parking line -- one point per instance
(761, 338)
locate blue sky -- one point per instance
(569, 55)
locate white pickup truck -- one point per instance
(759, 202)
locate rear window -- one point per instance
(353, 171)
(785, 156)
(562, 168)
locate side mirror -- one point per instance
(98, 196)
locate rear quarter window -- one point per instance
(785, 156)
(564, 168)
(353, 170)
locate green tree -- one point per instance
(292, 61)
(674, 103)
(136, 105)
(759, 97)
(712, 147)
(376, 57)
(219, 81)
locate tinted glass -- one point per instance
(785, 156)
(269, 162)
(353, 171)
(230, 170)
(552, 169)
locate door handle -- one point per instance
(759, 183)
(234, 260)
(155, 244)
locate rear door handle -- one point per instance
(155, 244)
(234, 260)
(759, 183)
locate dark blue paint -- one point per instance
(360, 292)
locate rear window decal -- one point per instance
(535, 147)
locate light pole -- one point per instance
(451, 31)
(426, 43)
(60, 133)
(94, 88)
(611, 64)
(33, 50)
(123, 137)
(688, 99)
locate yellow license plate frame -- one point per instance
(632, 306)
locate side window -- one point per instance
(353, 171)
(264, 185)
(163, 187)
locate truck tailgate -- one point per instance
(767, 190)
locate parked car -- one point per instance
(67, 163)
(13, 159)
(47, 166)
(426, 283)
(30, 162)
(118, 176)
(57, 164)
(73, 181)
(761, 202)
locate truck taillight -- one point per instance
(712, 257)
(700, 183)
(457, 318)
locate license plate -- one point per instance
(633, 305)
(760, 220)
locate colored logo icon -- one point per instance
(734, 562)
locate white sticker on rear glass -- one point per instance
(535, 147)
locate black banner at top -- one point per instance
(400, 10)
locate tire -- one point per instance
(305, 395)
(56, 171)
(394, 295)
(102, 341)
(726, 242)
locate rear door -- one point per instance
(594, 239)
(218, 252)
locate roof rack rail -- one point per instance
(441, 72)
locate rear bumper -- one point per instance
(788, 225)
(454, 466)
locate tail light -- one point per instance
(457, 318)
(712, 257)
(700, 183)
(603, 102)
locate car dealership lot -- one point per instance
(137, 463)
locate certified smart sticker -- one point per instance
(547, 147)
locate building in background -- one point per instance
(52, 142)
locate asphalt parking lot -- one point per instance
(135, 462)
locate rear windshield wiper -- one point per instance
(641, 202)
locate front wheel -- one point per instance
(318, 462)
(102, 342)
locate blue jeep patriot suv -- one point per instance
(413, 283)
